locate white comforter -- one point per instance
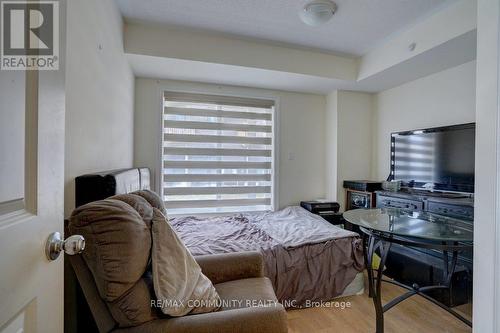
(294, 226)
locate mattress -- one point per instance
(306, 258)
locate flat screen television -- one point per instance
(441, 158)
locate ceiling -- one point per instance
(447, 55)
(357, 26)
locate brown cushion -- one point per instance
(246, 293)
(139, 204)
(118, 245)
(153, 199)
(134, 307)
(176, 274)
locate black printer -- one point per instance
(329, 210)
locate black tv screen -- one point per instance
(441, 156)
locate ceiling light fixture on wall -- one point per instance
(317, 12)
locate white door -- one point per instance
(31, 195)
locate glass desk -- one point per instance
(385, 226)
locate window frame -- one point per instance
(223, 92)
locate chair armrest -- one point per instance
(231, 266)
(271, 319)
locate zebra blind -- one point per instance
(217, 154)
(413, 158)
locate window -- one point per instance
(217, 154)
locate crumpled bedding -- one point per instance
(294, 226)
(306, 258)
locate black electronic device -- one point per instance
(363, 185)
(440, 158)
(357, 200)
(320, 207)
(327, 210)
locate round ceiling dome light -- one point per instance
(317, 12)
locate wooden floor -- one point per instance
(412, 315)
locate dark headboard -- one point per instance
(100, 185)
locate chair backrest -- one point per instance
(98, 186)
(117, 233)
(103, 319)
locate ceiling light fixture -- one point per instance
(317, 12)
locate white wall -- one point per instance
(349, 135)
(354, 137)
(455, 20)
(487, 213)
(301, 132)
(444, 98)
(99, 93)
(331, 142)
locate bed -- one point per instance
(306, 258)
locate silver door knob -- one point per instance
(55, 244)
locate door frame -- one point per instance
(486, 293)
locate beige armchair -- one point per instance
(239, 280)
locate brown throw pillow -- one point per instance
(179, 284)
